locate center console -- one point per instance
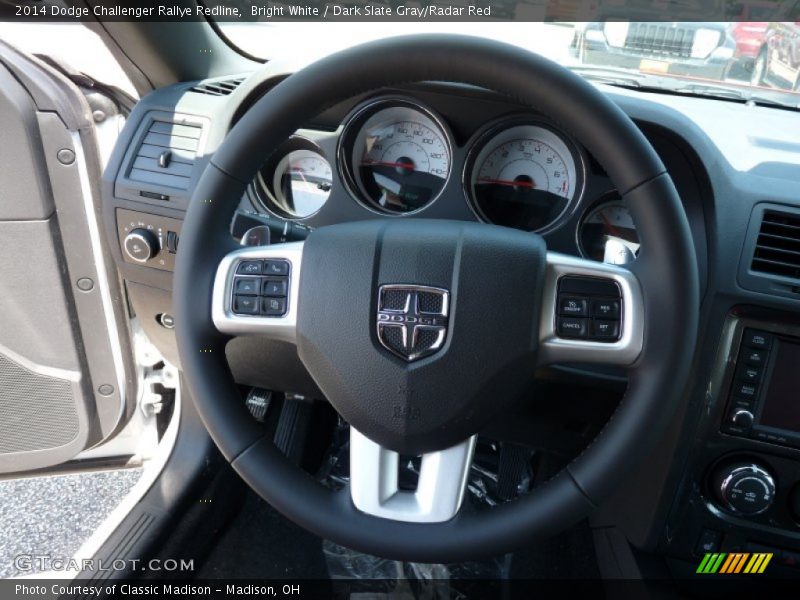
(741, 492)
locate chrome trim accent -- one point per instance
(752, 471)
(141, 238)
(440, 491)
(282, 328)
(625, 351)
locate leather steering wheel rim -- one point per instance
(666, 270)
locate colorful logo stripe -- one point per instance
(734, 562)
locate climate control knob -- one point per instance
(141, 245)
(744, 488)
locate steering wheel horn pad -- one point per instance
(493, 277)
(502, 288)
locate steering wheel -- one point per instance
(480, 302)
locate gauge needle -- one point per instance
(614, 231)
(402, 165)
(525, 184)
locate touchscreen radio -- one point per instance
(765, 392)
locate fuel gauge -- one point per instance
(608, 234)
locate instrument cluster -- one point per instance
(395, 156)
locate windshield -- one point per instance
(741, 61)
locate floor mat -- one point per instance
(55, 515)
(262, 543)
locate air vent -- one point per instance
(217, 88)
(166, 155)
(777, 250)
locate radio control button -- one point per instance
(245, 305)
(246, 286)
(275, 287)
(754, 358)
(756, 339)
(743, 419)
(745, 390)
(273, 307)
(749, 374)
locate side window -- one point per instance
(71, 43)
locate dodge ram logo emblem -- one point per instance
(412, 319)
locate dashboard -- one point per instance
(448, 151)
(453, 152)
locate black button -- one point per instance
(745, 390)
(249, 267)
(172, 242)
(754, 358)
(569, 327)
(606, 309)
(756, 339)
(708, 541)
(605, 330)
(573, 307)
(247, 286)
(276, 267)
(275, 287)
(750, 374)
(273, 307)
(245, 305)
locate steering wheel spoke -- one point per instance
(256, 291)
(591, 313)
(375, 487)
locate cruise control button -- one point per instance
(275, 287)
(605, 330)
(248, 286)
(756, 339)
(569, 327)
(276, 267)
(606, 309)
(573, 307)
(249, 267)
(754, 358)
(273, 307)
(245, 305)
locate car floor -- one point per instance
(54, 515)
(261, 543)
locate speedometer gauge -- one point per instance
(400, 157)
(525, 176)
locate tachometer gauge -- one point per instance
(399, 159)
(525, 176)
(302, 183)
(607, 233)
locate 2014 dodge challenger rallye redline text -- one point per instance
(429, 299)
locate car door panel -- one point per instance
(66, 378)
